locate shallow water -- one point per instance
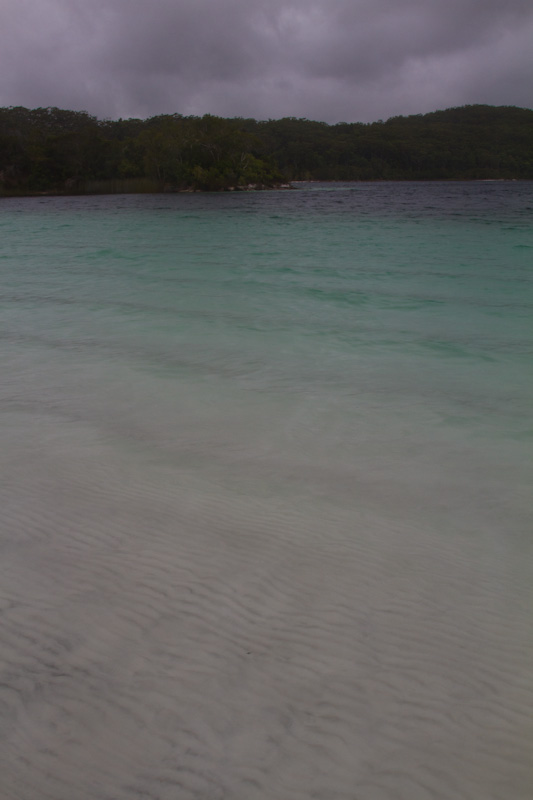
(265, 494)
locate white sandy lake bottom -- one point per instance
(170, 632)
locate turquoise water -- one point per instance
(394, 318)
(317, 390)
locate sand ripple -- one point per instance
(167, 634)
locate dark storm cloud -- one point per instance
(324, 59)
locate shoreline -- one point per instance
(288, 186)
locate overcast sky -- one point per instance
(333, 60)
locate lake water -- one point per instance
(265, 494)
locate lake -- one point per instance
(265, 494)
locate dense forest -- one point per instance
(50, 150)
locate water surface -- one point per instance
(265, 494)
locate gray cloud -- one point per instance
(323, 59)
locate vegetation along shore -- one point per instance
(57, 151)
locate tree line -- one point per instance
(52, 150)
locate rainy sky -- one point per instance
(332, 60)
